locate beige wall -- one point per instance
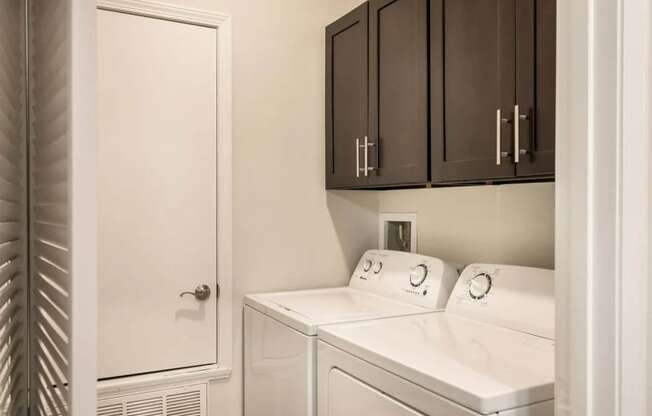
(511, 224)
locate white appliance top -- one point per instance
(308, 309)
(481, 352)
(384, 284)
(480, 366)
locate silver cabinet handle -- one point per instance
(370, 168)
(517, 133)
(202, 292)
(499, 121)
(366, 156)
(498, 127)
(367, 145)
(357, 158)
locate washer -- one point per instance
(280, 329)
(490, 353)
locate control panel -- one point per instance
(409, 277)
(515, 297)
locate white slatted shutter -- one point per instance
(13, 226)
(49, 232)
(62, 207)
(47, 173)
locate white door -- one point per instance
(157, 197)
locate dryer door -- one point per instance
(348, 396)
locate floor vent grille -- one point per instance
(110, 410)
(183, 401)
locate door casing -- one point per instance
(222, 25)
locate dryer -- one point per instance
(490, 353)
(280, 329)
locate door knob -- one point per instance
(202, 292)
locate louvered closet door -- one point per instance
(49, 128)
(13, 227)
(62, 207)
(157, 194)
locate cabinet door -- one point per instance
(346, 98)
(398, 92)
(472, 76)
(535, 86)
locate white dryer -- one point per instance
(490, 353)
(280, 329)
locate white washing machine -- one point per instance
(490, 353)
(280, 329)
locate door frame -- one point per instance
(603, 227)
(82, 212)
(224, 359)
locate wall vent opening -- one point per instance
(181, 401)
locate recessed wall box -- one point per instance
(397, 231)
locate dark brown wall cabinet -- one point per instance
(347, 64)
(441, 92)
(492, 89)
(377, 96)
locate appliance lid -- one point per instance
(305, 310)
(481, 366)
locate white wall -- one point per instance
(510, 224)
(288, 232)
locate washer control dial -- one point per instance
(366, 265)
(418, 275)
(378, 266)
(480, 286)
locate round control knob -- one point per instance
(366, 265)
(378, 267)
(480, 286)
(418, 275)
